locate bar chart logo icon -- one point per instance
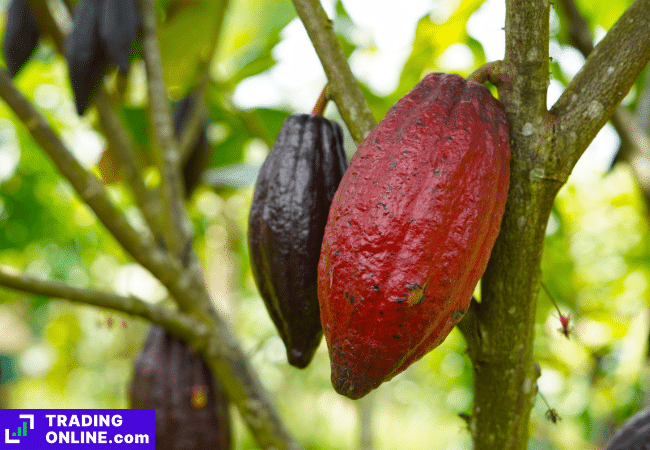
(13, 437)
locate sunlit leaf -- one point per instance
(187, 42)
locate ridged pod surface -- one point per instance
(293, 193)
(411, 229)
(191, 409)
(119, 26)
(87, 60)
(21, 35)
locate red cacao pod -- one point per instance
(191, 409)
(411, 229)
(293, 193)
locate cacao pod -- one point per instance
(411, 229)
(200, 153)
(293, 193)
(87, 61)
(21, 36)
(191, 409)
(119, 27)
(634, 434)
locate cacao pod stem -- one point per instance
(564, 320)
(321, 103)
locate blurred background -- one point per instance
(596, 259)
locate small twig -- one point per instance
(643, 105)
(551, 413)
(492, 72)
(343, 87)
(564, 320)
(195, 120)
(176, 228)
(634, 149)
(118, 137)
(595, 92)
(171, 320)
(192, 126)
(632, 129)
(366, 409)
(114, 129)
(93, 192)
(578, 28)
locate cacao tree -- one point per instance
(157, 82)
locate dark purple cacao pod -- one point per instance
(293, 193)
(21, 36)
(191, 409)
(119, 27)
(634, 434)
(87, 60)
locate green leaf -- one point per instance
(431, 39)
(187, 42)
(596, 14)
(251, 29)
(135, 118)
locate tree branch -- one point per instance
(343, 87)
(635, 149)
(222, 352)
(114, 129)
(173, 321)
(578, 29)
(595, 92)
(468, 327)
(635, 142)
(119, 139)
(195, 120)
(93, 192)
(176, 227)
(500, 337)
(220, 348)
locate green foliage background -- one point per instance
(53, 354)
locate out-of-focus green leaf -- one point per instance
(251, 29)
(187, 40)
(135, 118)
(240, 127)
(272, 119)
(431, 39)
(596, 14)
